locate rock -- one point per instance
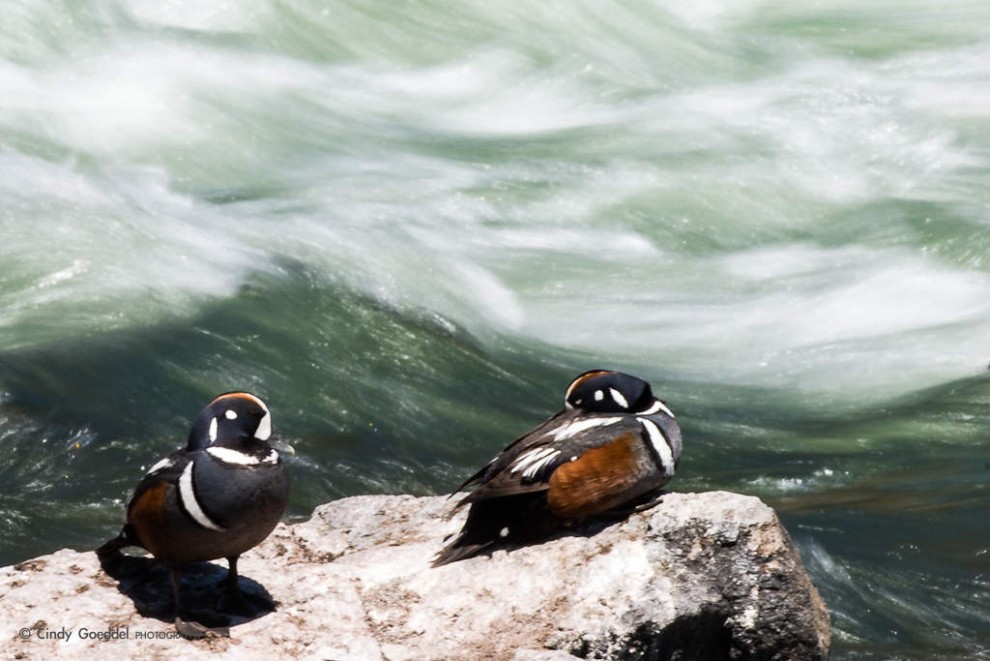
(700, 576)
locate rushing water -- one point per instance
(408, 226)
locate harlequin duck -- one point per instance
(217, 498)
(608, 452)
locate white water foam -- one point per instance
(695, 204)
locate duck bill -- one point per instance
(281, 446)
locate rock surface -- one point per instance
(700, 576)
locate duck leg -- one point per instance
(190, 628)
(234, 599)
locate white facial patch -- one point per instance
(599, 395)
(618, 398)
(167, 462)
(575, 428)
(531, 462)
(656, 408)
(504, 532)
(659, 443)
(230, 414)
(189, 502)
(213, 430)
(264, 431)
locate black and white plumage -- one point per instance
(611, 450)
(220, 496)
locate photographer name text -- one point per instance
(110, 634)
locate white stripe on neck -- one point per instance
(656, 408)
(238, 458)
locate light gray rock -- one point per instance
(700, 576)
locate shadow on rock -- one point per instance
(146, 582)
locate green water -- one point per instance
(408, 227)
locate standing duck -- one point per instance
(220, 496)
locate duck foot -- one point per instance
(195, 630)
